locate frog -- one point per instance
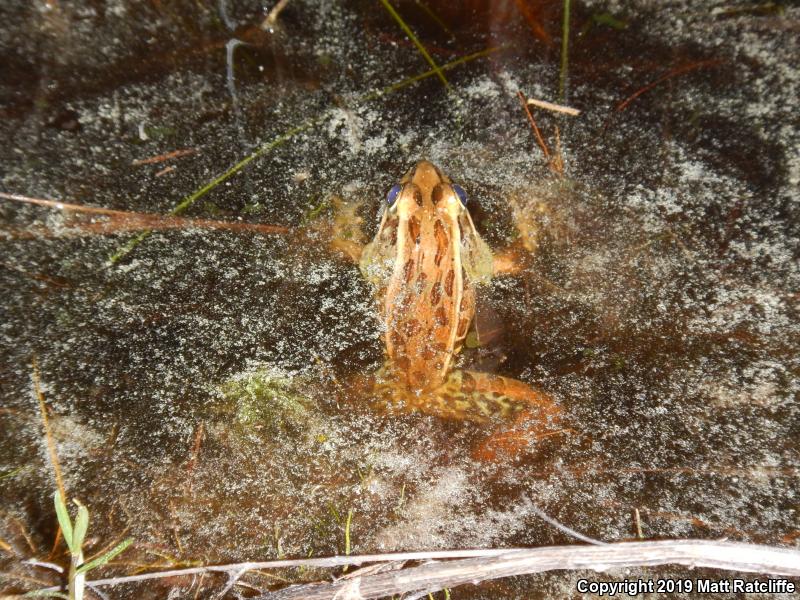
(425, 265)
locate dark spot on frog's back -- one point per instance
(402, 362)
(436, 293)
(440, 317)
(398, 341)
(448, 283)
(442, 240)
(414, 229)
(462, 328)
(412, 327)
(390, 230)
(408, 270)
(417, 196)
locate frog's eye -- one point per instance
(462, 195)
(391, 197)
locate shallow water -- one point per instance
(198, 386)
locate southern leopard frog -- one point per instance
(425, 263)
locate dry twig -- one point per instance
(163, 157)
(432, 577)
(481, 565)
(535, 128)
(272, 18)
(559, 108)
(120, 221)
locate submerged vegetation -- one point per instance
(268, 399)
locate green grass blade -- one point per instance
(347, 532)
(562, 79)
(197, 194)
(64, 522)
(412, 80)
(435, 18)
(129, 246)
(101, 560)
(12, 473)
(416, 42)
(192, 198)
(81, 525)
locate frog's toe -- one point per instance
(510, 261)
(519, 439)
(525, 414)
(529, 427)
(536, 416)
(348, 249)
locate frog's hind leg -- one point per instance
(528, 414)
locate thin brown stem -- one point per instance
(51, 444)
(669, 75)
(118, 221)
(532, 121)
(163, 157)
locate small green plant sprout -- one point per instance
(347, 536)
(74, 535)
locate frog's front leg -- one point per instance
(509, 261)
(531, 217)
(347, 235)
